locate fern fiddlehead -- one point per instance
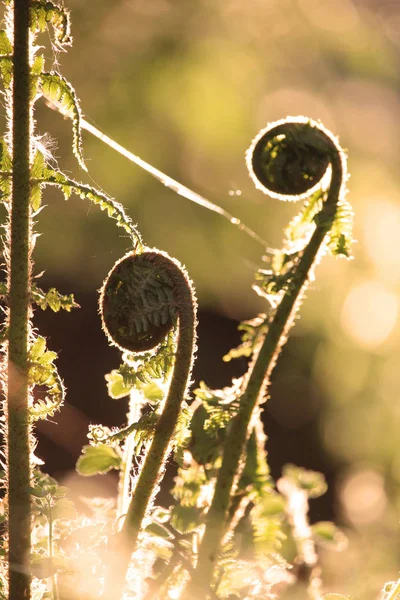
(143, 297)
(137, 302)
(288, 160)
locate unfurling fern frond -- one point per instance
(58, 91)
(43, 13)
(138, 303)
(114, 209)
(288, 160)
(145, 296)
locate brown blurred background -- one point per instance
(186, 84)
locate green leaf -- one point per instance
(159, 530)
(97, 459)
(205, 445)
(38, 165)
(6, 65)
(36, 196)
(255, 474)
(44, 12)
(5, 167)
(341, 233)
(117, 386)
(327, 534)
(186, 518)
(267, 529)
(53, 299)
(300, 228)
(253, 331)
(152, 392)
(37, 349)
(37, 65)
(189, 485)
(38, 492)
(273, 505)
(36, 71)
(147, 367)
(311, 481)
(42, 371)
(5, 44)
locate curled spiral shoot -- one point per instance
(142, 298)
(287, 160)
(137, 302)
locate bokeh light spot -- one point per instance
(363, 497)
(369, 313)
(337, 17)
(381, 235)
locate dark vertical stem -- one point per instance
(18, 449)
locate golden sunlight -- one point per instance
(381, 236)
(369, 313)
(363, 497)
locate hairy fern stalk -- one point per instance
(24, 173)
(18, 288)
(222, 535)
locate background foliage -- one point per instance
(186, 85)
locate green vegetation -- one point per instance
(231, 532)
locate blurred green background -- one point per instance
(186, 84)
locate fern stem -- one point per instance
(296, 508)
(54, 585)
(241, 501)
(19, 274)
(258, 378)
(151, 471)
(135, 409)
